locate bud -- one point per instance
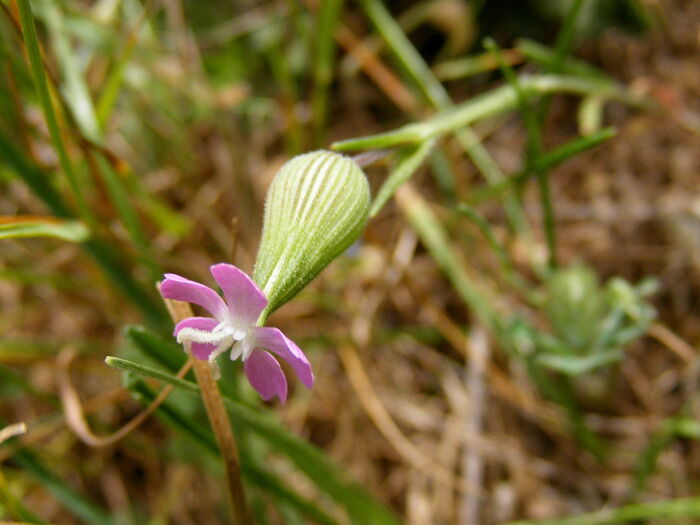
(576, 306)
(316, 207)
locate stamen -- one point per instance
(212, 359)
(201, 336)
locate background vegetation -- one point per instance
(513, 338)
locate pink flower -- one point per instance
(233, 326)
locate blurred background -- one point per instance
(514, 337)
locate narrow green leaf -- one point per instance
(547, 160)
(544, 56)
(164, 351)
(359, 503)
(122, 201)
(495, 102)
(37, 65)
(38, 181)
(574, 365)
(404, 170)
(22, 227)
(328, 15)
(107, 257)
(687, 508)
(75, 90)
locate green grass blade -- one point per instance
(113, 83)
(359, 503)
(282, 493)
(435, 239)
(673, 428)
(75, 90)
(110, 260)
(37, 65)
(205, 439)
(33, 177)
(548, 160)
(490, 104)
(18, 227)
(121, 199)
(164, 351)
(102, 252)
(406, 53)
(566, 36)
(435, 93)
(545, 56)
(533, 150)
(407, 166)
(661, 510)
(471, 65)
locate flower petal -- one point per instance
(199, 350)
(266, 376)
(181, 289)
(245, 300)
(274, 340)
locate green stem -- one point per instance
(547, 161)
(437, 96)
(495, 102)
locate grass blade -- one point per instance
(435, 240)
(101, 251)
(122, 202)
(22, 227)
(660, 510)
(359, 503)
(328, 15)
(37, 65)
(407, 166)
(75, 90)
(492, 103)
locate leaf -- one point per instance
(405, 169)
(329, 478)
(575, 365)
(15, 227)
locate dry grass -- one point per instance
(443, 427)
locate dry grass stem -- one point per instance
(220, 424)
(75, 415)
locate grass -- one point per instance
(522, 189)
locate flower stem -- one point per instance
(219, 422)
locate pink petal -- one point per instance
(245, 300)
(266, 376)
(274, 340)
(181, 289)
(199, 350)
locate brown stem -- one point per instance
(219, 423)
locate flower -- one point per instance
(234, 326)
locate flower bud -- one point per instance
(316, 207)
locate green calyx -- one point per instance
(316, 207)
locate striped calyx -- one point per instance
(316, 207)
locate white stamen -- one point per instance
(193, 335)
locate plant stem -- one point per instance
(495, 102)
(219, 422)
